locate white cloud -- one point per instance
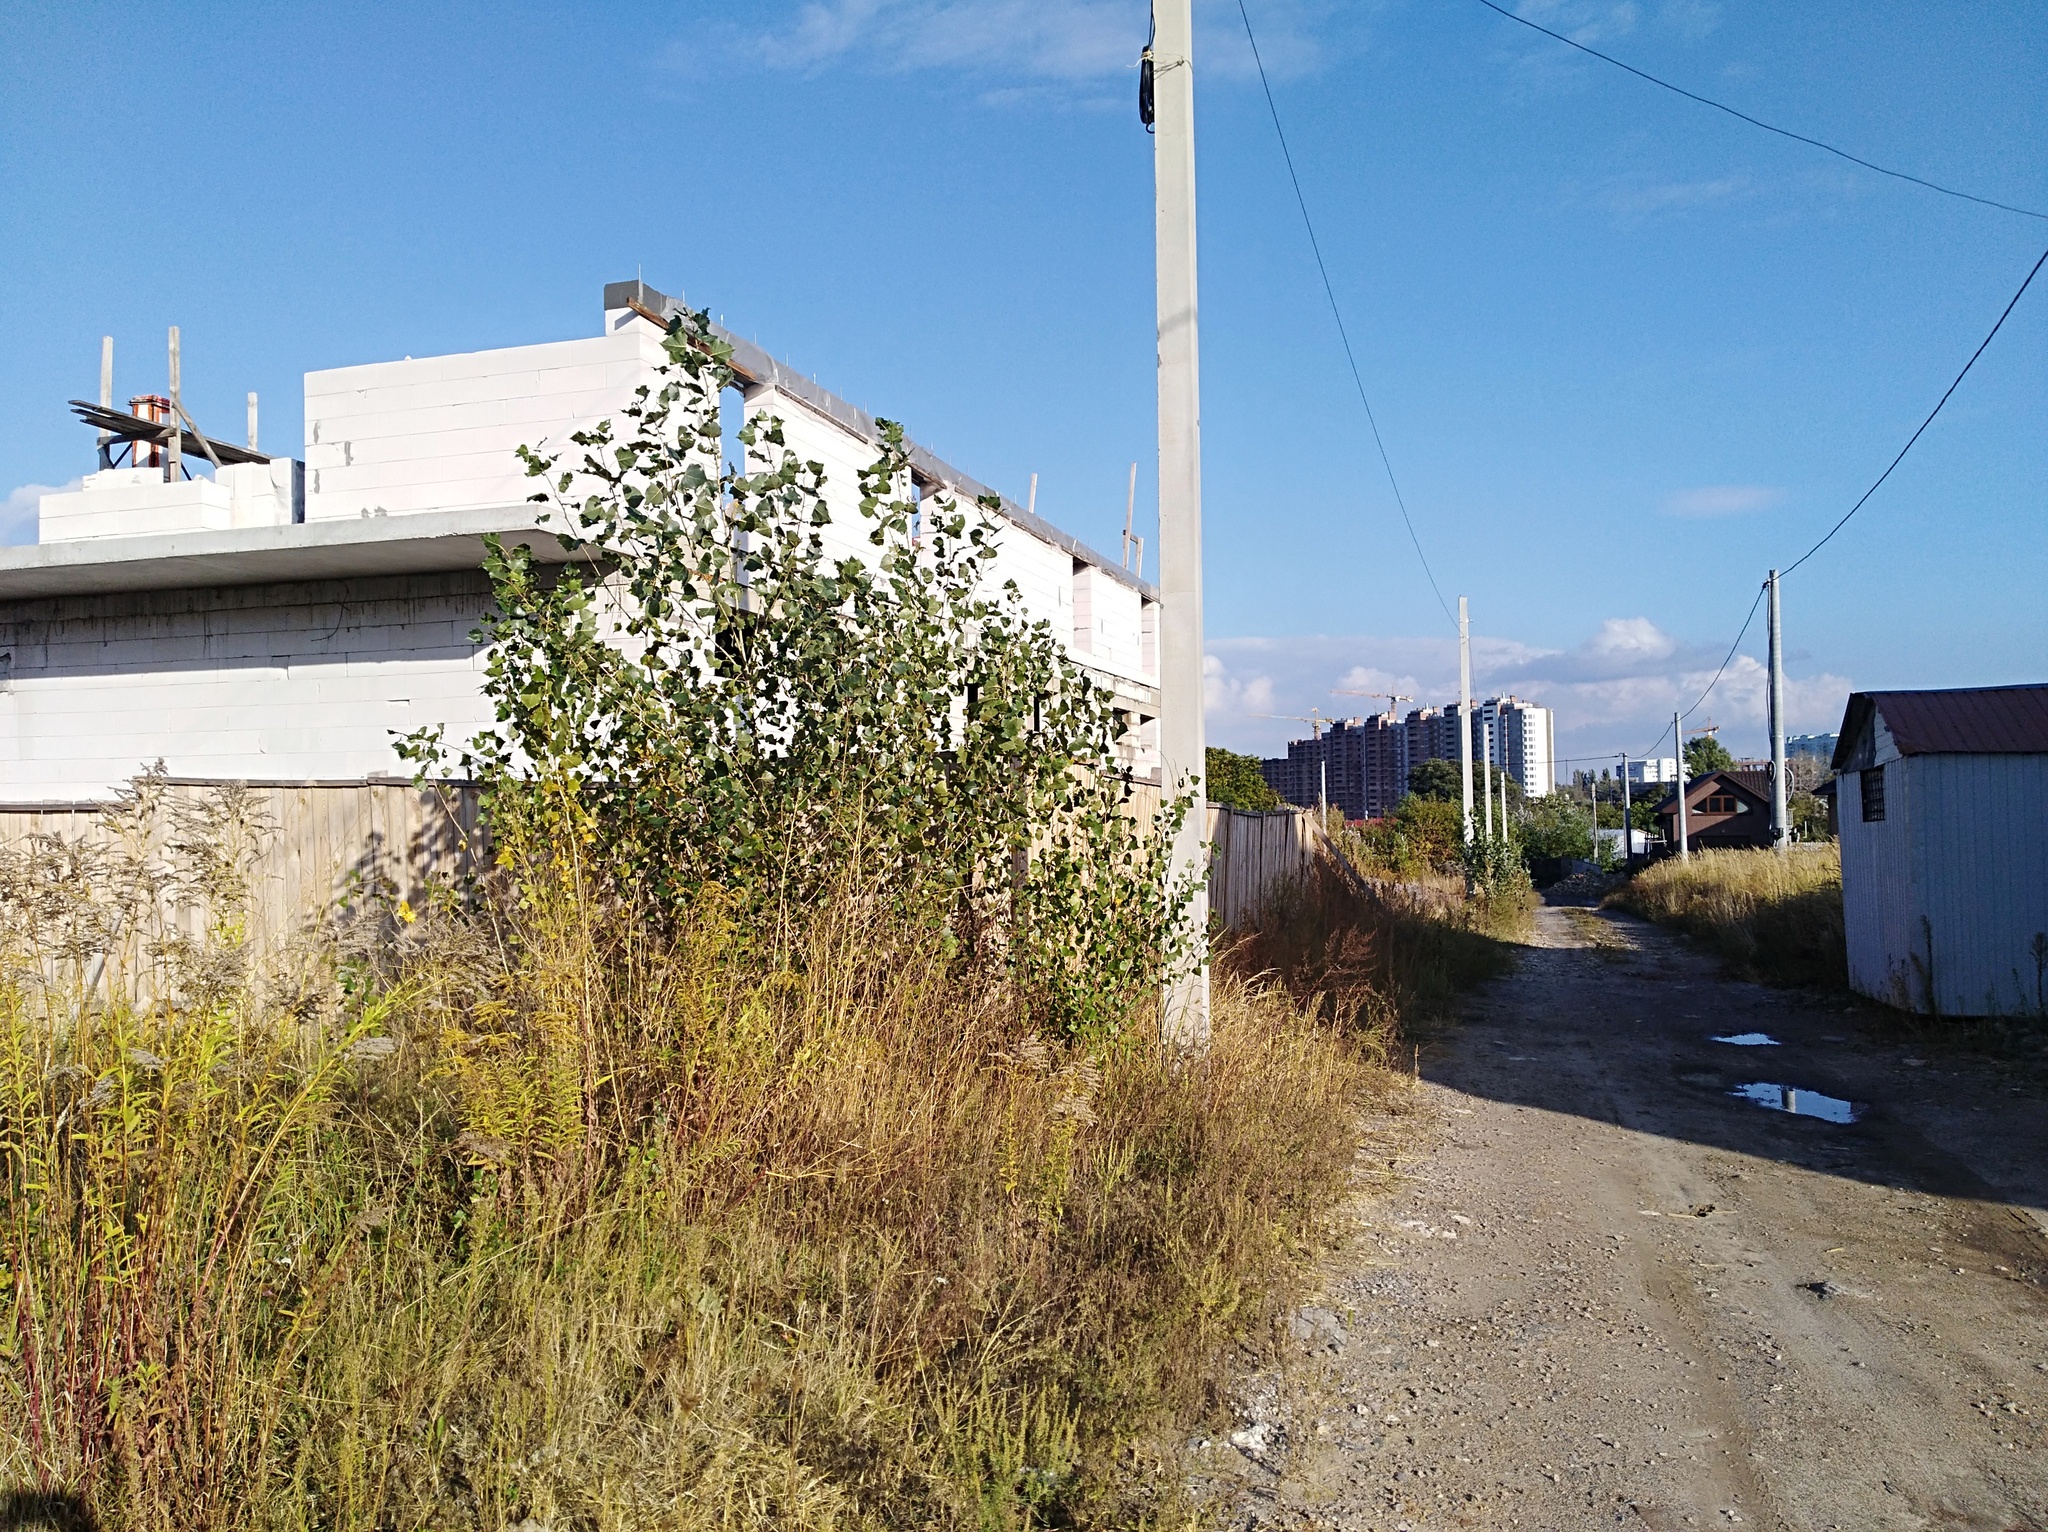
(1229, 699)
(1723, 500)
(1630, 638)
(18, 515)
(1067, 42)
(1584, 21)
(1048, 39)
(1638, 197)
(1690, 19)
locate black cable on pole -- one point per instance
(1757, 122)
(1726, 661)
(1331, 293)
(2004, 314)
(1972, 362)
(1729, 657)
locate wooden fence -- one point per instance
(320, 841)
(330, 840)
(1253, 856)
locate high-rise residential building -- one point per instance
(1363, 763)
(1526, 738)
(1512, 735)
(1339, 763)
(1386, 763)
(1432, 735)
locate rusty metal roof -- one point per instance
(1982, 720)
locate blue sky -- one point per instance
(1626, 352)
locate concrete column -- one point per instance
(1781, 818)
(1182, 737)
(1465, 711)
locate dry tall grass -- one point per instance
(1776, 918)
(469, 1217)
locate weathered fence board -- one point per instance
(324, 840)
(328, 840)
(1253, 856)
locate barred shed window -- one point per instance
(1873, 793)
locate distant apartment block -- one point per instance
(1517, 737)
(1656, 768)
(1362, 764)
(1336, 764)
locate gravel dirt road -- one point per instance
(1601, 1291)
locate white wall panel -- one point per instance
(1109, 623)
(443, 433)
(280, 682)
(1980, 876)
(844, 456)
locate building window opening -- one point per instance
(1872, 779)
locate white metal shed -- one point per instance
(1942, 810)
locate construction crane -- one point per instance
(1392, 697)
(1315, 723)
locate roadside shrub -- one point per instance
(729, 705)
(1775, 918)
(778, 1137)
(1236, 782)
(1422, 835)
(611, 1222)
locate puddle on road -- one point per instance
(1800, 1103)
(1750, 1040)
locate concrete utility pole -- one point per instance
(1182, 742)
(1628, 840)
(1678, 744)
(1593, 808)
(1465, 711)
(1781, 819)
(1486, 777)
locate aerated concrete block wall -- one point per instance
(273, 683)
(442, 433)
(1109, 623)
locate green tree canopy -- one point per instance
(1557, 825)
(1437, 781)
(729, 712)
(1236, 783)
(1706, 754)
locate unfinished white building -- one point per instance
(284, 625)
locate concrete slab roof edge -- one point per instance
(419, 543)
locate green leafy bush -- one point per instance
(729, 706)
(1235, 782)
(1437, 782)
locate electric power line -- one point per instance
(1331, 293)
(2004, 314)
(1865, 496)
(1728, 658)
(1972, 362)
(1757, 122)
